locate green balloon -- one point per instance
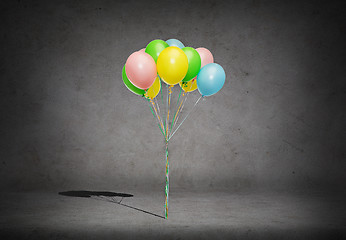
(194, 63)
(155, 47)
(130, 86)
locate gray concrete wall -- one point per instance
(68, 122)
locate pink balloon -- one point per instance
(142, 50)
(206, 56)
(141, 69)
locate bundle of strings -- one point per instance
(168, 128)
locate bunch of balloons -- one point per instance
(172, 63)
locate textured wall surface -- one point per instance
(67, 120)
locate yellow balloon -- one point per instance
(154, 89)
(189, 86)
(172, 65)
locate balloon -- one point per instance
(206, 56)
(210, 79)
(155, 47)
(175, 43)
(154, 89)
(194, 63)
(141, 70)
(172, 65)
(189, 86)
(130, 86)
(142, 50)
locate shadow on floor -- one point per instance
(87, 194)
(105, 196)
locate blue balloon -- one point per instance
(210, 79)
(175, 43)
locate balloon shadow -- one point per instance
(112, 197)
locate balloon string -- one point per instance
(157, 118)
(157, 115)
(164, 121)
(167, 119)
(175, 115)
(169, 92)
(179, 96)
(159, 112)
(176, 107)
(185, 117)
(181, 109)
(167, 183)
(158, 106)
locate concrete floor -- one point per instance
(216, 215)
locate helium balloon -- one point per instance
(130, 86)
(172, 65)
(210, 79)
(154, 89)
(141, 70)
(206, 56)
(155, 47)
(189, 86)
(194, 63)
(175, 43)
